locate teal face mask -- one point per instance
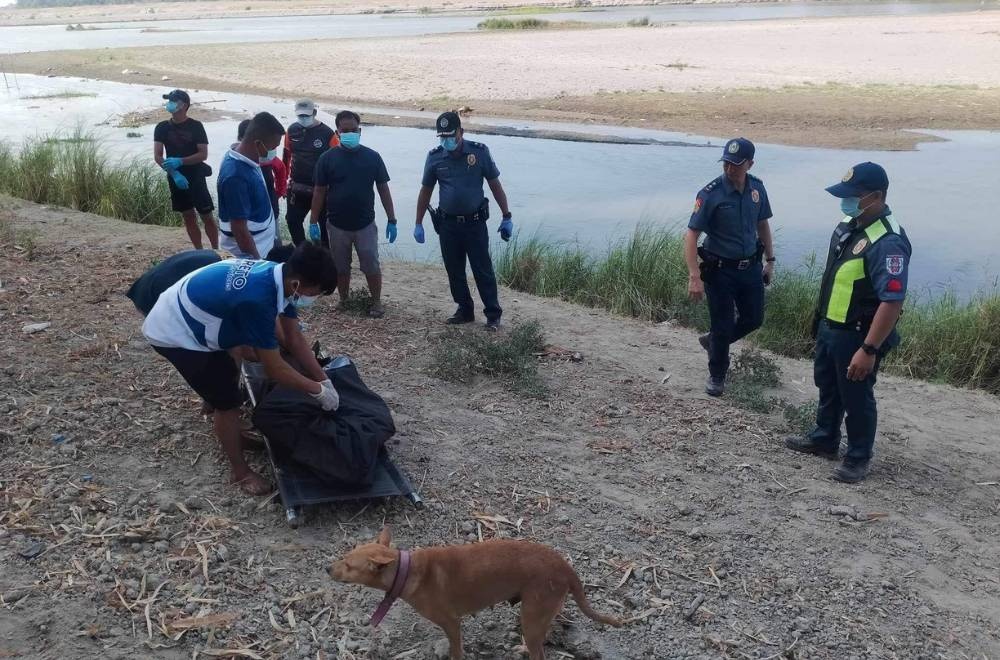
(301, 302)
(851, 207)
(306, 120)
(449, 143)
(269, 156)
(350, 140)
(171, 106)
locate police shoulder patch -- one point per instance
(697, 204)
(895, 263)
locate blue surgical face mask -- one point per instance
(851, 207)
(306, 120)
(449, 143)
(171, 106)
(269, 156)
(301, 302)
(350, 140)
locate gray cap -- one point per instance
(304, 107)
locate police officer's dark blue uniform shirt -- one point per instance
(460, 176)
(729, 218)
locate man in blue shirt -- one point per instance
(246, 217)
(461, 166)
(233, 305)
(345, 181)
(733, 212)
(860, 300)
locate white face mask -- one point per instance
(301, 302)
(306, 120)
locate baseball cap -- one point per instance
(304, 107)
(178, 95)
(738, 150)
(448, 124)
(861, 179)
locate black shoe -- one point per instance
(704, 340)
(493, 325)
(851, 471)
(810, 446)
(458, 318)
(715, 386)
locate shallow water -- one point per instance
(289, 28)
(944, 194)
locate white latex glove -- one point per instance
(327, 397)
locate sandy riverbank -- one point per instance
(656, 493)
(162, 11)
(793, 83)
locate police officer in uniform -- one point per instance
(733, 211)
(305, 141)
(860, 301)
(461, 166)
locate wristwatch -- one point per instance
(770, 260)
(869, 349)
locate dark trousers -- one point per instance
(295, 215)
(461, 240)
(839, 396)
(736, 308)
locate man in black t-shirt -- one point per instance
(180, 147)
(345, 182)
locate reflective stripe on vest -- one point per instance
(850, 272)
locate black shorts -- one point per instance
(195, 197)
(212, 374)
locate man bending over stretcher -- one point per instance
(239, 304)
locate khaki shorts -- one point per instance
(365, 241)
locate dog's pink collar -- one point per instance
(398, 583)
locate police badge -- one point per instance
(894, 264)
(317, 143)
(471, 159)
(755, 196)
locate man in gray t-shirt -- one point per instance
(346, 179)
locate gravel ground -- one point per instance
(120, 539)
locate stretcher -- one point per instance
(299, 487)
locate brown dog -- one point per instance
(444, 584)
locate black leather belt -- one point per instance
(738, 264)
(857, 326)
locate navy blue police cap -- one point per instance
(448, 124)
(738, 150)
(860, 180)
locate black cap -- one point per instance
(861, 179)
(448, 124)
(738, 150)
(178, 95)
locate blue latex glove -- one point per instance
(179, 179)
(506, 229)
(391, 231)
(171, 163)
(314, 233)
(418, 233)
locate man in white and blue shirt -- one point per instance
(237, 304)
(246, 217)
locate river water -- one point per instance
(334, 26)
(591, 194)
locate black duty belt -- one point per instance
(857, 326)
(738, 264)
(471, 217)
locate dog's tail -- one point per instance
(576, 588)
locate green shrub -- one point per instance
(75, 172)
(513, 24)
(463, 355)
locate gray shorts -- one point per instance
(365, 241)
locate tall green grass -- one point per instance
(945, 339)
(513, 24)
(76, 172)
